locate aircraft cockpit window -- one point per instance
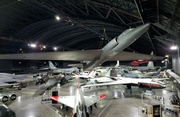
(125, 71)
(81, 107)
(126, 31)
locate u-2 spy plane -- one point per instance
(111, 51)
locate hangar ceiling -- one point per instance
(87, 24)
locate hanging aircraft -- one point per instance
(111, 51)
(79, 103)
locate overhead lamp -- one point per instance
(173, 47)
(44, 46)
(167, 55)
(55, 48)
(32, 45)
(57, 17)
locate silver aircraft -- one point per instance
(11, 80)
(112, 51)
(62, 70)
(79, 103)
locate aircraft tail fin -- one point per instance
(117, 64)
(92, 73)
(150, 64)
(152, 53)
(55, 98)
(51, 66)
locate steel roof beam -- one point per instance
(87, 11)
(122, 11)
(76, 7)
(140, 14)
(166, 29)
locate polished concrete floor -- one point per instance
(118, 102)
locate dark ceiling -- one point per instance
(87, 24)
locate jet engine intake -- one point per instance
(112, 44)
(12, 96)
(75, 115)
(3, 98)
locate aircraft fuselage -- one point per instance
(80, 109)
(117, 44)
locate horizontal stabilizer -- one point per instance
(102, 96)
(55, 98)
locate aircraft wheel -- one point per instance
(13, 97)
(91, 108)
(4, 99)
(95, 105)
(67, 108)
(19, 88)
(37, 83)
(62, 106)
(23, 85)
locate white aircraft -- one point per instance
(96, 72)
(79, 103)
(111, 51)
(87, 74)
(115, 79)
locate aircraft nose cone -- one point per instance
(140, 30)
(144, 26)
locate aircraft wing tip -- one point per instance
(55, 98)
(102, 96)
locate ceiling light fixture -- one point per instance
(57, 17)
(173, 47)
(33, 45)
(55, 48)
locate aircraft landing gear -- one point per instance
(129, 86)
(67, 108)
(62, 106)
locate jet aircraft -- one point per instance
(62, 70)
(11, 80)
(114, 79)
(79, 103)
(149, 66)
(111, 51)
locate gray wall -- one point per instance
(176, 64)
(5, 65)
